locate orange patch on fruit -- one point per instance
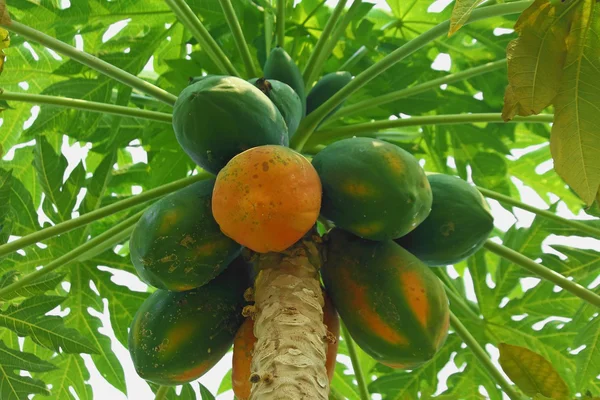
(399, 365)
(358, 299)
(175, 337)
(267, 198)
(169, 219)
(393, 161)
(358, 189)
(415, 294)
(192, 374)
(443, 332)
(369, 228)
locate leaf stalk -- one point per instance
(93, 62)
(358, 372)
(238, 37)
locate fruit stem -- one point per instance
(290, 352)
(184, 13)
(93, 62)
(73, 255)
(420, 88)
(542, 213)
(332, 42)
(280, 23)
(87, 106)
(238, 37)
(317, 51)
(358, 372)
(544, 272)
(161, 393)
(311, 122)
(483, 358)
(85, 219)
(372, 128)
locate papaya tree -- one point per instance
(342, 200)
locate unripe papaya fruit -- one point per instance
(326, 87)
(458, 225)
(393, 305)
(176, 337)
(243, 346)
(220, 116)
(281, 67)
(177, 244)
(267, 198)
(371, 188)
(285, 99)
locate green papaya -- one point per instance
(374, 189)
(285, 99)
(393, 305)
(177, 244)
(176, 337)
(218, 117)
(326, 87)
(281, 67)
(458, 225)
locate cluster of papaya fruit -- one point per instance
(392, 221)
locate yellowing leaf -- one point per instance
(536, 59)
(460, 14)
(532, 373)
(575, 140)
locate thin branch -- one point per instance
(332, 42)
(238, 37)
(483, 358)
(74, 254)
(87, 106)
(268, 21)
(93, 62)
(85, 219)
(371, 128)
(542, 213)
(358, 372)
(312, 121)
(281, 23)
(545, 272)
(423, 87)
(187, 17)
(458, 301)
(161, 393)
(318, 49)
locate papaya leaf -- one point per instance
(531, 372)
(536, 59)
(4, 38)
(71, 375)
(46, 283)
(5, 194)
(576, 132)
(29, 319)
(461, 13)
(343, 383)
(17, 387)
(588, 360)
(226, 383)
(205, 394)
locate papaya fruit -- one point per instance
(371, 188)
(393, 305)
(267, 198)
(220, 116)
(326, 87)
(281, 67)
(243, 346)
(285, 99)
(177, 244)
(458, 225)
(176, 337)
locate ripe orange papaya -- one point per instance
(393, 305)
(243, 346)
(267, 198)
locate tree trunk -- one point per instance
(290, 352)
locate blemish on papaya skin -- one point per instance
(358, 189)
(416, 296)
(447, 229)
(359, 301)
(187, 241)
(265, 166)
(206, 248)
(169, 219)
(169, 258)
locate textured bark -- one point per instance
(290, 352)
